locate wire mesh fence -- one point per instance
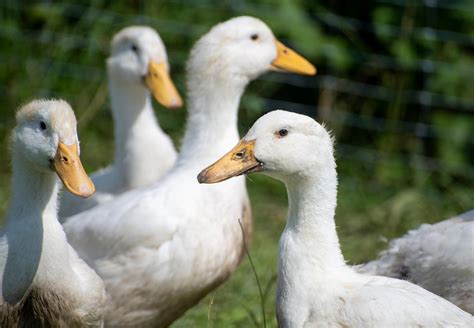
(394, 84)
(391, 72)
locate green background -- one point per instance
(395, 85)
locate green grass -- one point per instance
(377, 201)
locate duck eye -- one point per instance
(254, 37)
(42, 125)
(134, 48)
(282, 133)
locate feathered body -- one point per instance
(143, 151)
(160, 249)
(43, 281)
(439, 257)
(315, 287)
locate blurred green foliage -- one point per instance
(394, 84)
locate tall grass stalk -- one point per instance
(262, 300)
(209, 313)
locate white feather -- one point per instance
(438, 257)
(160, 249)
(143, 151)
(315, 286)
(37, 265)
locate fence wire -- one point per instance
(66, 44)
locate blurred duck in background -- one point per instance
(162, 248)
(315, 287)
(137, 66)
(43, 281)
(438, 257)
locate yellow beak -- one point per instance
(158, 81)
(69, 168)
(240, 160)
(288, 60)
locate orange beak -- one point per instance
(240, 160)
(289, 61)
(69, 168)
(158, 81)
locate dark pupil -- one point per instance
(254, 37)
(42, 125)
(134, 48)
(283, 132)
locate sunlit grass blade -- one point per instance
(262, 300)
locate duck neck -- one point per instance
(39, 189)
(311, 229)
(36, 241)
(211, 128)
(137, 133)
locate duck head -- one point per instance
(281, 144)
(46, 138)
(138, 57)
(242, 49)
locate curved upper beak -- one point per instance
(288, 60)
(69, 168)
(240, 160)
(158, 81)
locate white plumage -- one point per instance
(438, 257)
(143, 151)
(43, 281)
(160, 249)
(315, 286)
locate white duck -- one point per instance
(315, 286)
(162, 248)
(438, 257)
(43, 281)
(143, 152)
